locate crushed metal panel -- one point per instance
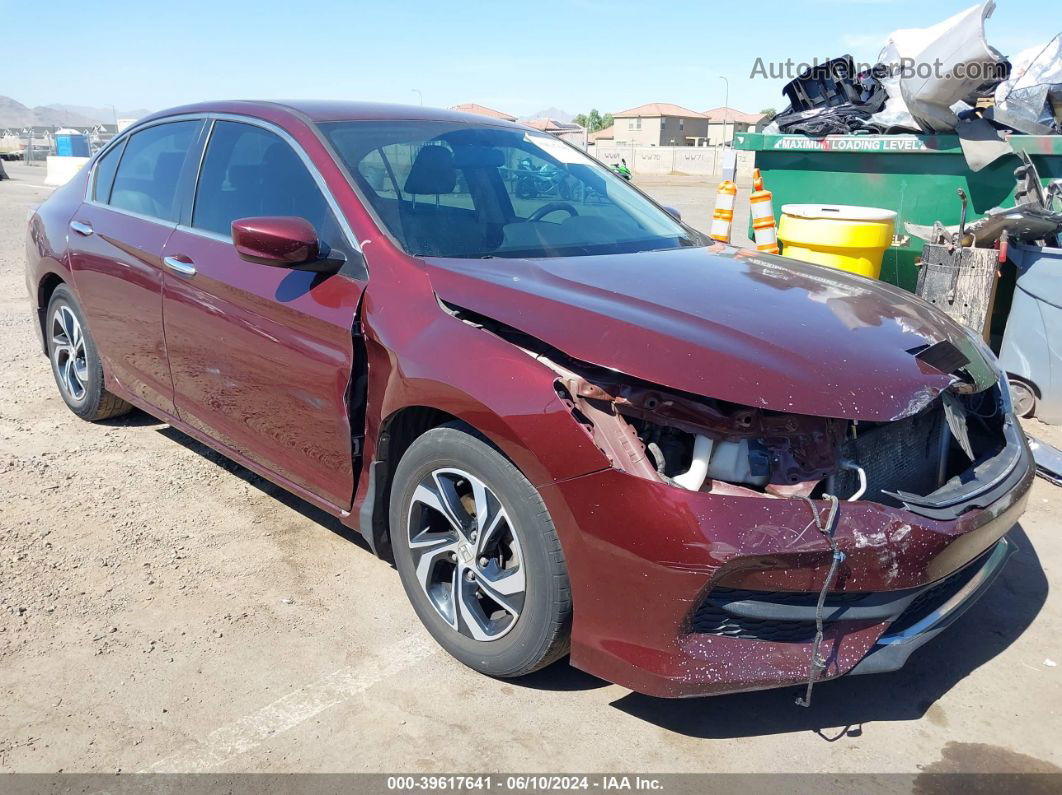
(964, 58)
(1048, 460)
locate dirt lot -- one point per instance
(161, 608)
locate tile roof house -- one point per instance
(734, 115)
(482, 110)
(566, 131)
(724, 122)
(605, 135)
(660, 124)
(552, 125)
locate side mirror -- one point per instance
(673, 213)
(279, 241)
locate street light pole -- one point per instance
(726, 105)
(419, 95)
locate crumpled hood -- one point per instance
(739, 326)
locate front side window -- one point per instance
(150, 168)
(250, 172)
(458, 190)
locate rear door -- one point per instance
(116, 242)
(262, 357)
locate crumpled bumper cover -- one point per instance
(942, 604)
(644, 556)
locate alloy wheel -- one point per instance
(466, 554)
(1022, 398)
(68, 353)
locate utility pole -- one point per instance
(726, 105)
(419, 95)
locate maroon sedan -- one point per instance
(574, 422)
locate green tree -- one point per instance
(768, 112)
(593, 121)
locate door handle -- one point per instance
(179, 265)
(81, 228)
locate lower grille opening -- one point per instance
(712, 617)
(789, 616)
(712, 620)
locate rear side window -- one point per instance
(105, 171)
(150, 170)
(249, 172)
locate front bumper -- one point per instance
(645, 557)
(941, 606)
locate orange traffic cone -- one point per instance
(723, 217)
(762, 209)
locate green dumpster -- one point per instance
(916, 176)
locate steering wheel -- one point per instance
(546, 209)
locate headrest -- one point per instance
(280, 158)
(168, 166)
(244, 178)
(432, 172)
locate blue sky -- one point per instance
(518, 57)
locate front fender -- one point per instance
(495, 387)
(418, 355)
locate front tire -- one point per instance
(76, 363)
(478, 554)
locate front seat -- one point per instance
(435, 229)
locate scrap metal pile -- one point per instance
(1036, 216)
(943, 79)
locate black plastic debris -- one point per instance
(832, 98)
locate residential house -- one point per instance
(605, 135)
(724, 122)
(566, 131)
(660, 124)
(481, 110)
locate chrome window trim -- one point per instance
(211, 117)
(139, 216)
(199, 170)
(205, 233)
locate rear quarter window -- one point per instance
(105, 172)
(150, 170)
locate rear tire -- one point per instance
(493, 591)
(75, 361)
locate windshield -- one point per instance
(448, 189)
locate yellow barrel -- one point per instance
(839, 236)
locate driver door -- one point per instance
(262, 357)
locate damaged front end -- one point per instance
(958, 453)
(726, 510)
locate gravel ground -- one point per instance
(161, 608)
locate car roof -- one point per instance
(321, 110)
